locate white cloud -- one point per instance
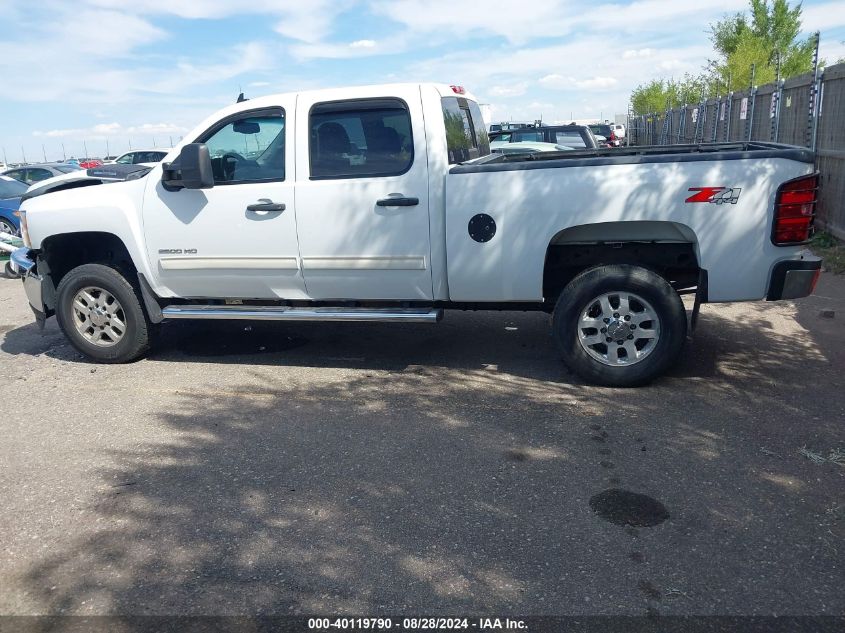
(363, 44)
(559, 82)
(634, 53)
(824, 16)
(105, 131)
(258, 84)
(555, 81)
(671, 64)
(514, 90)
(493, 17)
(596, 83)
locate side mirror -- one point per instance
(192, 170)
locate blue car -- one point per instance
(11, 191)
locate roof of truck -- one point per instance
(341, 93)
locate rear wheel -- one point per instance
(619, 326)
(100, 313)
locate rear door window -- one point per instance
(360, 138)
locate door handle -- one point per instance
(398, 202)
(266, 205)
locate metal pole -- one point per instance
(24, 156)
(64, 156)
(44, 152)
(716, 111)
(108, 153)
(729, 111)
(814, 97)
(749, 111)
(85, 147)
(775, 107)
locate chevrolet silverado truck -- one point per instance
(384, 203)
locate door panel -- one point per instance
(209, 243)
(362, 196)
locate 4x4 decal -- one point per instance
(715, 195)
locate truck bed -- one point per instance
(636, 155)
(536, 201)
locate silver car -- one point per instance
(35, 173)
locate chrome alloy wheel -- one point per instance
(98, 316)
(8, 227)
(618, 328)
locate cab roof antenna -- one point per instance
(241, 97)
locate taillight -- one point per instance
(795, 208)
(458, 90)
(612, 136)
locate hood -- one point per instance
(99, 175)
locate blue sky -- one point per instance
(146, 71)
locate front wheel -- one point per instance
(6, 226)
(619, 326)
(99, 312)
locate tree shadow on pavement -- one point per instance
(445, 480)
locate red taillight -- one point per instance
(458, 90)
(795, 208)
(612, 136)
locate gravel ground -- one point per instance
(388, 469)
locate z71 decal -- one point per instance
(715, 195)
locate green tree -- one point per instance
(659, 94)
(770, 31)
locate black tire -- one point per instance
(136, 338)
(592, 283)
(8, 273)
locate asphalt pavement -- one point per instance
(411, 468)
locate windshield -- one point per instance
(66, 169)
(10, 188)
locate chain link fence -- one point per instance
(803, 110)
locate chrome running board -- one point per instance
(285, 313)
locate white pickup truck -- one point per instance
(383, 203)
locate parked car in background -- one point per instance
(35, 173)
(88, 163)
(85, 177)
(526, 147)
(142, 156)
(573, 136)
(605, 131)
(11, 191)
(498, 127)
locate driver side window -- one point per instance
(249, 148)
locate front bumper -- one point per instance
(32, 281)
(794, 278)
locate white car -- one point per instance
(384, 203)
(142, 156)
(526, 147)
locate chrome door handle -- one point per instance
(266, 205)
